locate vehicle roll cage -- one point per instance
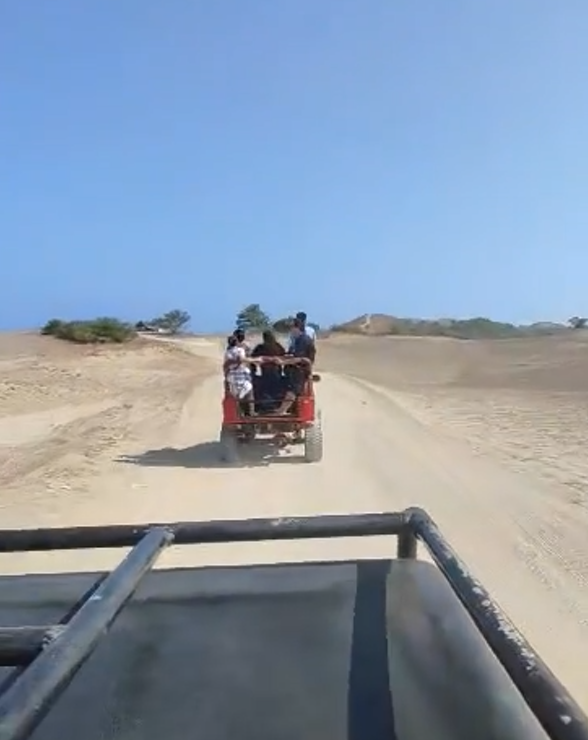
(45, 659)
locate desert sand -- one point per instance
(487, 436)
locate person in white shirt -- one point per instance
(238, 374)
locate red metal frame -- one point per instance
(305, 405)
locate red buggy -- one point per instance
(301, 425)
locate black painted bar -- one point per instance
(550, 702)
(15, 674)
(406, 547)
(19, 645)
(24, 704)
(186, 533)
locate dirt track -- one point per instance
(129, 435)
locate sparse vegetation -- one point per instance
(578, 322)
(171, 322)
(100, 330)
(475, 328)
(253, 318)
(110, 330)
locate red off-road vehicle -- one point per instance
(301, 425)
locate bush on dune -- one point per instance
(475, 328)
(95, 331)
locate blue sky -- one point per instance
(416, 157)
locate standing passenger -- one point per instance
(301, 317)
(238, 374)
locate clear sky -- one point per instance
(415, 157)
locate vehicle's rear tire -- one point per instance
(313, 442)
(229, 450)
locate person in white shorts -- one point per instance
(238, 374)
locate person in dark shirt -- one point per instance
(269, 347)
(302, 343)
(302, 346)
(306, 328)
(270, 384)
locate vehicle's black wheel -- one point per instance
(229, 446)
(313, 442)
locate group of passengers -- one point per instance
(276, 381)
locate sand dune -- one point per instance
(524, 402)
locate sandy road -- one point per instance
(527, 543)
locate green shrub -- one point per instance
(52, 327)
(101, 330)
